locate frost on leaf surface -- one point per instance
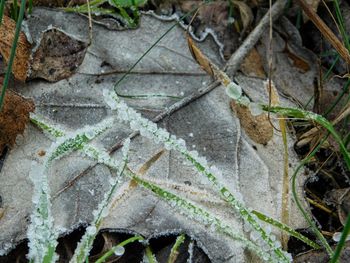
(74, 103)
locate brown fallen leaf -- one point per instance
(252, 65)
(13, 117)
(298, 61)
(23, 50)
(258, 128)
(57, 56)
(201, 59)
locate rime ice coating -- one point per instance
(214, 175)
(41, 233)
(85, 244)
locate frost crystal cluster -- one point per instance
(41, 234)
(214, 175)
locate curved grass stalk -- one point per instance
(191, 209)
(300, 206)
(99, 156)
(342, 241)
(13, 49)
(111, 252)
(298, 113)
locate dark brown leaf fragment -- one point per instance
(258, 128)
(13, 118)
(57, 56)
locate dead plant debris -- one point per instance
(13, 118)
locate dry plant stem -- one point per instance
(325, 31)
(307, 136)
(90, 22)
(236, 59)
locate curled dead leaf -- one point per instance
(21, 63)
(246, 14)
(201, 59)
(258, 128)
(57, 56)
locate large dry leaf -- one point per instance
(58, 56)
(21, 62)
(207, 125)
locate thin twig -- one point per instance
(237, 58)
(170, 110)
(90, 22)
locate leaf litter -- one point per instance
(297, 61)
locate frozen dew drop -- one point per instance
(244, 101)
(234, 91)
(91, 230)
(277, 244)
(247, 227)
(265, 257)
(254, 235)
(90, 134)
(255, 109)
(119, 251)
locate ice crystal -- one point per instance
(41, 234)
(234, 91)
(103, 208)
(119, 251)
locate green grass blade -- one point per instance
(2, 6)
(174, 250)
(110, 252)
(12, 53)
(300, 206)
(150, 256)
(286, 228)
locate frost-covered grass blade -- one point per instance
(85, 244)
(150, 130)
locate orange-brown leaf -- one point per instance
(258, 128)
(201, 59)
(13, 117)
(21, 62)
